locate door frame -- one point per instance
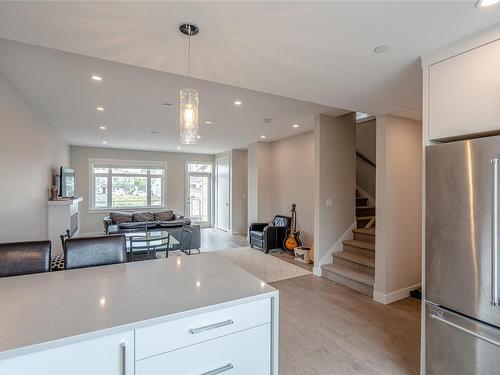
(208, 223)
(216, 195)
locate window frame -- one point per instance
(115, 163)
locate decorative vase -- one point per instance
(54, 193)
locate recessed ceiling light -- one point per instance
(238, 102)
(167, 105)
(262, 137)
(296, 125)
(207, 122)
(104, 142)
(486, 3)
(99, 108)
(178, 147)
(97, 78)
(382, 48)
(153, 132)
(103, 127)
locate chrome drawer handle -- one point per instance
(123, 356)
(211, 326)
(219, 370)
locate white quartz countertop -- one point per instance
(47, 310)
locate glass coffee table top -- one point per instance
(150, 242)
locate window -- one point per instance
(200, 167)
(117, 184)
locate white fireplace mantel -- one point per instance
(64, 215)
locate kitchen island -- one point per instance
(182, 315)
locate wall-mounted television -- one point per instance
(67, 182)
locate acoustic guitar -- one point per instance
(292, 239)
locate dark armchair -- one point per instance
(269, 236)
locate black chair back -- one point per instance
(20, 258)
(94, 251)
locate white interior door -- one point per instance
(223, 205)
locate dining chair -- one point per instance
(83, 252)
(20, 258)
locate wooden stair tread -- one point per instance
(350, 273)
(360, 244)
(369, 232)
(364, 217)
(355, 258)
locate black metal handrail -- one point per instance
(364, 158)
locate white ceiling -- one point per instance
(59, 86)
(321, 52)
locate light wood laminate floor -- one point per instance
(328, 329)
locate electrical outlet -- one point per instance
(329, 202)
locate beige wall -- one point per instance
(366, 145)
(399, 207)
(259, 182)
(292, 181)
(334, 181)
(176, 177)
(30, 152)
(239, 186)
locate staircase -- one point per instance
(354, 266)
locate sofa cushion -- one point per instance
(174, 223)
(120, 217)
(143, 216)
(137, 225)
(164, 215)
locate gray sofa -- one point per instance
(125, 222)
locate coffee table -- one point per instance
(150, 242)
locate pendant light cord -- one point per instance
(189, 57)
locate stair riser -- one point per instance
(365, 211)
(357, 250)
(361, 267)
(364, 237)
(361, 201)
(362, 288)
(361, 223)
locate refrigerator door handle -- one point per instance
(494, 237)
(439, 316)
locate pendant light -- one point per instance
(189, 97)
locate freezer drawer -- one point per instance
(461, 182)
(456, 345)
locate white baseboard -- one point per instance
(317, 271)
(394, 296)
(338, 246)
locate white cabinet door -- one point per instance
(103, 356)
(243, 353)
(464, 93)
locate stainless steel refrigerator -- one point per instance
(462, 257)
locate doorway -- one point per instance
(222, 196)
(199, 193)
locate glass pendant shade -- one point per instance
(188, 116)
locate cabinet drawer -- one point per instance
(242, 353)
(179, 333)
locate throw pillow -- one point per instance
(120, 217)
(143, 216)
(164, 215)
